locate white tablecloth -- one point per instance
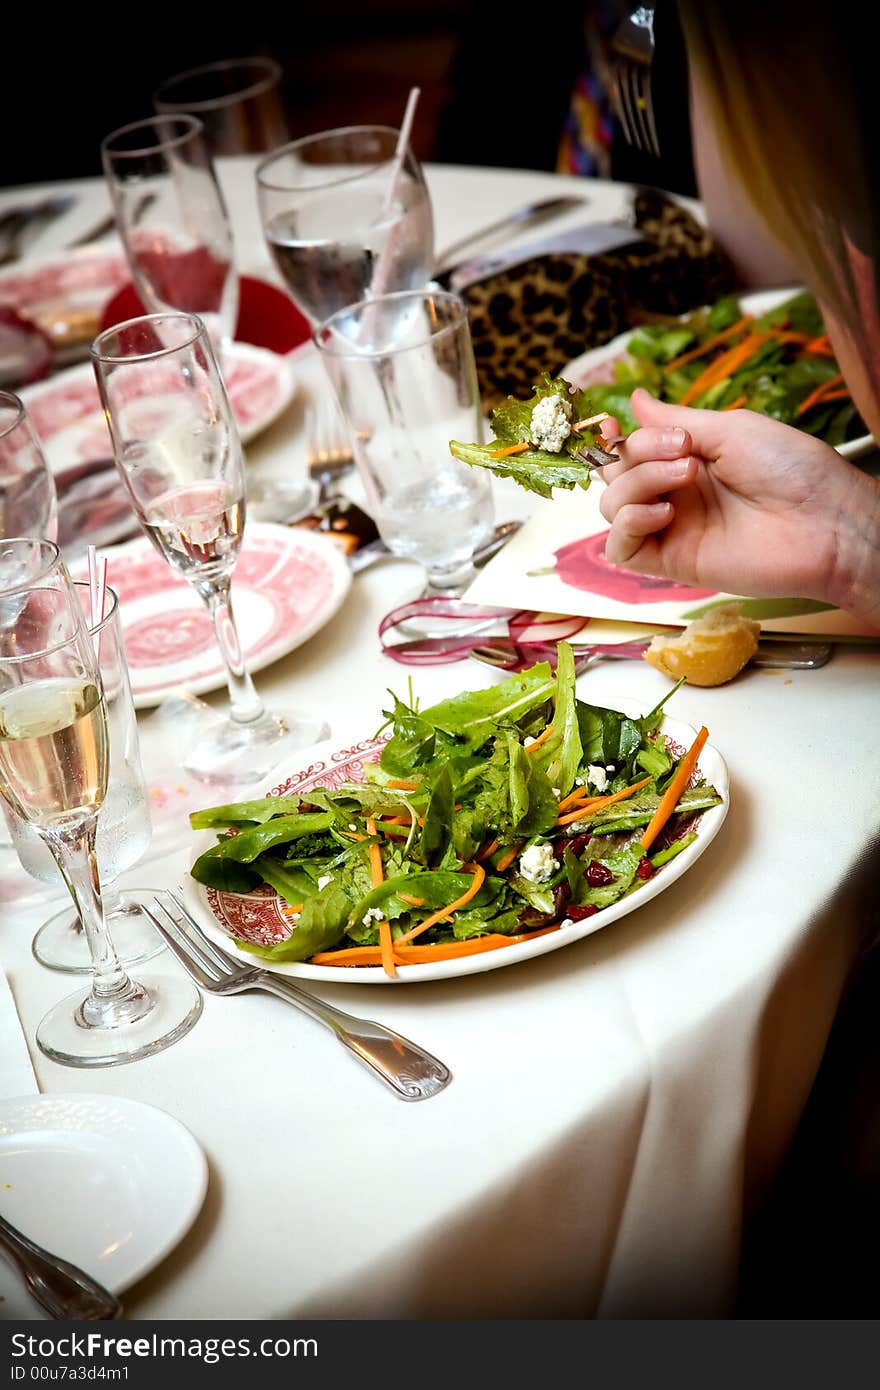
(614, 1104)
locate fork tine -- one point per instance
(214, 955)
(621, 94)
(189, 963)
(648, 110)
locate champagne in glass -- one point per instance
(178, 452)
(54, 761)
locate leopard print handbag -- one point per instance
(535, 312)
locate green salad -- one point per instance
(779, 364)
(490, 817)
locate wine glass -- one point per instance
(177, 449)
(28, 504)
(404, 374)
(54, 761)
(124, 826)
(238, 100)
(172, 220)
(343, 220)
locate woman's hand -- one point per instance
(734, 501)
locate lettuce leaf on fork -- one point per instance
(537, 470)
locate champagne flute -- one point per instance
(172, 220)
(124, 826)
(53, 774)
(177, 449)
(28, 505)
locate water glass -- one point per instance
(124, 827)
(28, 505)
(339, 225)
(403, 370)
(172, 220)
(238, 101)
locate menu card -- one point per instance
(556, 564)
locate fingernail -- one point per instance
(673, 439)
(677, 468)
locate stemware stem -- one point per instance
(114, 998)
(245, 705)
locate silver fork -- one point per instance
(410, 1071)
(16, 222)
(61, 1288)
(632, 47)
(330, 455)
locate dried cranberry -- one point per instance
(579, 843)
(577, 914)
(597, 875)
(645, 868)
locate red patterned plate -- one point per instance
(67, 415)
(287, 584)
(257, 917)
(83, 279)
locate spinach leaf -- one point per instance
(437, 829)
(560, 755)
(321, 926)
(243, 812)
(473, 715)
(227, 877)
(250, 843)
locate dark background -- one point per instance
(495, 81)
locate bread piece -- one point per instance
(710, 650)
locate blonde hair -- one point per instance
(787, 88)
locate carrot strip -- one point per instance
(841, 394)
(815, 397)
(542, 738)
(709, 344)
(821, 346)
(507, 858)
(591, 420)
(577, 795)
(511, 449)
(487, 850)
(725, 365)
(735, 405)
(290, 909)
(669, 799)
(375, 857)
(476, 883)
(386, 949)
(414, 902)
(414, 955)
(402, 785)
(600, 802)
(353, 835)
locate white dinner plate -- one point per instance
(596, 366)
(257, 917)
(287, 584)
(109, 1184)
(67, 415)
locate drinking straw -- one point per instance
(400, 149)
(386, 256)
(97, 593)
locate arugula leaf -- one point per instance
(473, 715)
(560, 755)
(243, 812)
(437, 829)
(537, 470)
(412, 743)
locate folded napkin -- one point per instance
(16, 1073)
(539, 306)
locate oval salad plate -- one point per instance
(257, 917)
(287, 584)
(67, 415)
(596, 367)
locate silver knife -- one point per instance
(529, 216)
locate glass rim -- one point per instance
(304, 140)
(94, 629)
(49, 546)
(199, 330)
(273, 75)
(14, 403)
(355, 354)
(193, 127)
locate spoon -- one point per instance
(504, 655)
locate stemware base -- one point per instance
(223, 751)
(60, 944)
(64, 1037)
